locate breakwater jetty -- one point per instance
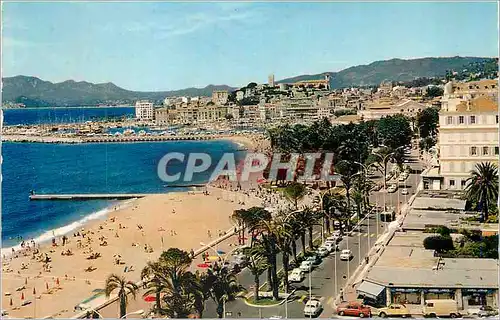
(109, 139)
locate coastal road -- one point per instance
(326, 279)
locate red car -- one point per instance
(354, 309)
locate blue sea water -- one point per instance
(64, 115)
(83, 168)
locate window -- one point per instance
(462, 183)
(473, 151)
(472, 119)
(449, 120)
(461, 119)
(485, 151)
(452, 183)
(496, 118)
(496, 151)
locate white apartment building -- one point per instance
(468, 134)
(144, 110)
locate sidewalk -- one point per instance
(349, 292)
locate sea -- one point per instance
(82, 168)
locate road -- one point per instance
(332, 274)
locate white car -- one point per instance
(404, 192)
(297, 275)
(346, 254)
(306, 266)
(313, 308)
(392, 188)
(402, 177)
(330, 246)
(322, 251)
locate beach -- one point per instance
(123, 241)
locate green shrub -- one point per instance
(439, 243)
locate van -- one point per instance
(440, 308)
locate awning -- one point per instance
(370, 289)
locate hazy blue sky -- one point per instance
(163, 46)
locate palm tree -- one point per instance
(175, 263)
(295, 192)
(282, 230)
(257, 265)
(153, 277)
(223, 286)
(482, 186)
(115, 282)
(347, 175)
(239, 216)
(340, 210)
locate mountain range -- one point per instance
(34, 92)
(394, 70)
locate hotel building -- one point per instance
(144, 110)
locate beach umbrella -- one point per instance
(220, 252)
(149, 298)
(22, 295)
(202, 265)
(213, 258)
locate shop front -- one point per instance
(406, 295)
(433, 293)
(479, 297)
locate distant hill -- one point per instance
(34, 92)
(393, 70)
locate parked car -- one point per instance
(346, 254)
(402, 177)
(394, 310)
(330, 246)
(315, 259)
(354, 308)
(487, 311)
(306, 266)
(404, 192)
(322, 251)
(313, 308)
(297, 275)
(440, 307)
(392, 188)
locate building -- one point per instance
(318, 84)
(210, 113)
(220, 97)
(144, 110)
(270, 80)
(388, 107)
(410, 274)
(468, 134)
(186, 99)
(240, 95)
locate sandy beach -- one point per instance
(132, 235)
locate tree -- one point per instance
(427, 143)
(115, 282)
(394, 131)
(258, 264)
(281, 229)
(384, 155)
(347, 173)
(153, 277)
(438, 243)
(295, 192)
(340, 210)
(482, 186)
(433, 91)
(223, 286)
(427, 122)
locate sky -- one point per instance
(151, 46)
